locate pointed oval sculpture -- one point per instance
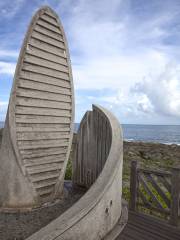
(39, 123)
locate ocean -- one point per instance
(168, 134)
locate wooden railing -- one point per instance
(156, 191)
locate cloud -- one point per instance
(163, 91)
(3, 110)
(8, 53)
(120, 51)
(10, 8)
(7, 68)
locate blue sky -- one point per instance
(125, 54)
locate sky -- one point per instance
(125, 55)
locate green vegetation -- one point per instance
(68, 174)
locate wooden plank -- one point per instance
(47, 39)
(33, 51)
(47, 48)
(28, 102)
(40, 119)
(148, 190)
(156, 172)
(41, 128)
(133, 185)
(35, 60)
(43, 87)
(165, 182)
(33, 169)
(42, 146)
(158, 189)
(44, 160)
(153, 224)
(37, 153)
(43, 192)
(41, 136)
(45, 183)
(49, 26)
(49, 33)
(46, 71)
(175, 194)
(44, 176)
(39, 111)
(36, 94)
(38, 77)
(146, 203)
(49, 19)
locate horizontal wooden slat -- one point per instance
(44, 176)
(40, 119)
(43, 192)
(44, 64)
(156, 172)
(49, 33)
(49, 26)
(43, 167)
(44, 160)
(42, 111)
(42, 95)
(49, 19)
(41, 136)
(35, 60)
(45, 55)
(22, 101)
(48, 48)
(43, 87)
(38, 77)
(42, 146)
(49, 40)
(37, 153)
(45, 183)
(46, 71)
(42, 128)
(50, 14)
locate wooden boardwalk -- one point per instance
(143, 227)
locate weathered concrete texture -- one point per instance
(98, 211)
(39, 124)
(93, 146)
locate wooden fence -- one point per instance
(156, 191)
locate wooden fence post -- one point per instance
(133, 186)
(175, 196)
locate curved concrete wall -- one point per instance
(39, 125)
(97, 212)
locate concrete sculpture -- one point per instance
(100, 208)
(39, 123)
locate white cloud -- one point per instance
(7, 68)
(163, 91)
(8, 53)
(9, 9)
(3, 109)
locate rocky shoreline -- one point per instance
(150, 155)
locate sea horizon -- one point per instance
(155, 133)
